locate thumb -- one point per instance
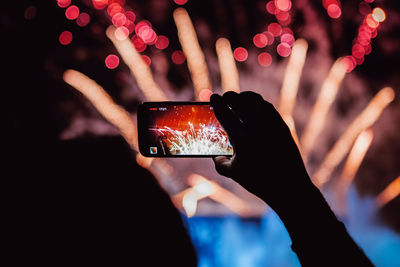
(223, 165)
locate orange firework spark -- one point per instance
(320, 110)
(194, 55)
(389, 193)
(292, 77)
(363, 121)
(112, 112)
(351, 166)
(227, 66)
(139, 69)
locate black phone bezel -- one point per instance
(142, 122)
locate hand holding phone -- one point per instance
(181, 129)
(268, 164)
(266, 160)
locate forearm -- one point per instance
(317, 236)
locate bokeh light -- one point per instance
(145, 31)
(119, 19)
(271, 8)
(65, 38)
(72, 12)
(100, 4)
(146, 60)
(287, 38)
(364, 8)
(327, 3)
(162, 42)
(240, 54)
(178, 57)
(83, 19)
(260, 40)
(264, 59)
(142, 24)
(270, 37)
(121, 33)
(378, 14)
(287, 30)
(374, 33)
(285, 22)
(350, 63)
(359, 60)
(282, 16)
(112, 61)
(63, 3)
(130, 25)
(114, 8)
(130, 15)
(180, 2)
(366, 31)
(283, 5)
(147, 34)
(368, 49)
(358, 51)
(334, 11)
(283, 49)
(371, 22)
(275, 29)
(139, 44)
(30, 12)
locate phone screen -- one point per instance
(175, 129)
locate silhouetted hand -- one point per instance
(266, 160)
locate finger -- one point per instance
(137, 66)
(229, 121)
(194, 55)
(227, 66)
(223, 165)
(248, 104)
(245, 105)
(231, 98)
(233, 101)
(252, 104)
(251, 96)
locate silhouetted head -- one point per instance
(92, 203)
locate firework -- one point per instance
(112, 112)
(389, 193)
(227, 67)
(292, 77)
(363, 121)
(321, 108)
(137, 66)
(207, 140)
(131, 38)
(191, 47)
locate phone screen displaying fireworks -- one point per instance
(183, 130)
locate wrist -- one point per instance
(306, 213)
(291, 191)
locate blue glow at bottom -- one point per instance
(230, 241)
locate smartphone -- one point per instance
(181, 129)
